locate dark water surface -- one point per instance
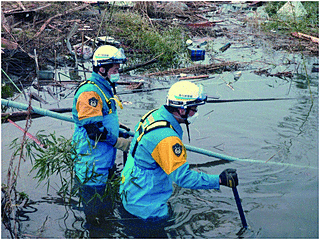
(279, 201)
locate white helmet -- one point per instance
(184, 94)
(107, 54)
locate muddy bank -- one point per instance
(35, 34)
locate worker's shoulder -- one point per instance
(88, 89)
(162, 132)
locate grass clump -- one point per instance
(150, 39)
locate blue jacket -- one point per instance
(90, 106)
(159, 160)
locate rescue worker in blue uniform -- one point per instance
(158, 157)
(96, 133)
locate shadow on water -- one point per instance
(206, 222)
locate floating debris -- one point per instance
(237, 75)
(196, 54)
(225, 47)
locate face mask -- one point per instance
(114, 78)
(193, 118)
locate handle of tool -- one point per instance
(125, 156)
(238, 201)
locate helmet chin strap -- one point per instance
(187, 126)
(185, 118)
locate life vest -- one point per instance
(144, 128)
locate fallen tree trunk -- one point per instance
(22, 115)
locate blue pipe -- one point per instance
(64, 117)
(40, 111)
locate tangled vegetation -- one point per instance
(135, 31)
(308, 24)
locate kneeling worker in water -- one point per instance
(158, 157)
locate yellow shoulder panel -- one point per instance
(89, 104)
(170, 154)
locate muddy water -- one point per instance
(279, 201)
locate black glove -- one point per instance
(96, 131)
(124, 134)
(229, 178)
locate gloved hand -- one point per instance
(124, 134)
(229, 178)
(122, 144)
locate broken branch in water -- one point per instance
(193, 77)
(278, 74)
(28, 134)
(305, 36)
(199, 68)
(21, 115)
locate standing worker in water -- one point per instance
(158, 157)
(96, 133)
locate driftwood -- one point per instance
(305, 36)
(197, 68)
(22, 115)
(38, 98)
(56, 16)
(278, 74)
(24, 10)
(193, 77)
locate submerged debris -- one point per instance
(282, 75)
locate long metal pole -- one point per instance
(241, 213)
(246, 100)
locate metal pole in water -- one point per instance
(241, 213)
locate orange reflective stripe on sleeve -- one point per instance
(170, 154)
(89, 104)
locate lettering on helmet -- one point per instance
(103, 55)
(93, 102)
(185, 96)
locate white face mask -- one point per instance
(193, 118)
(114, 77)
